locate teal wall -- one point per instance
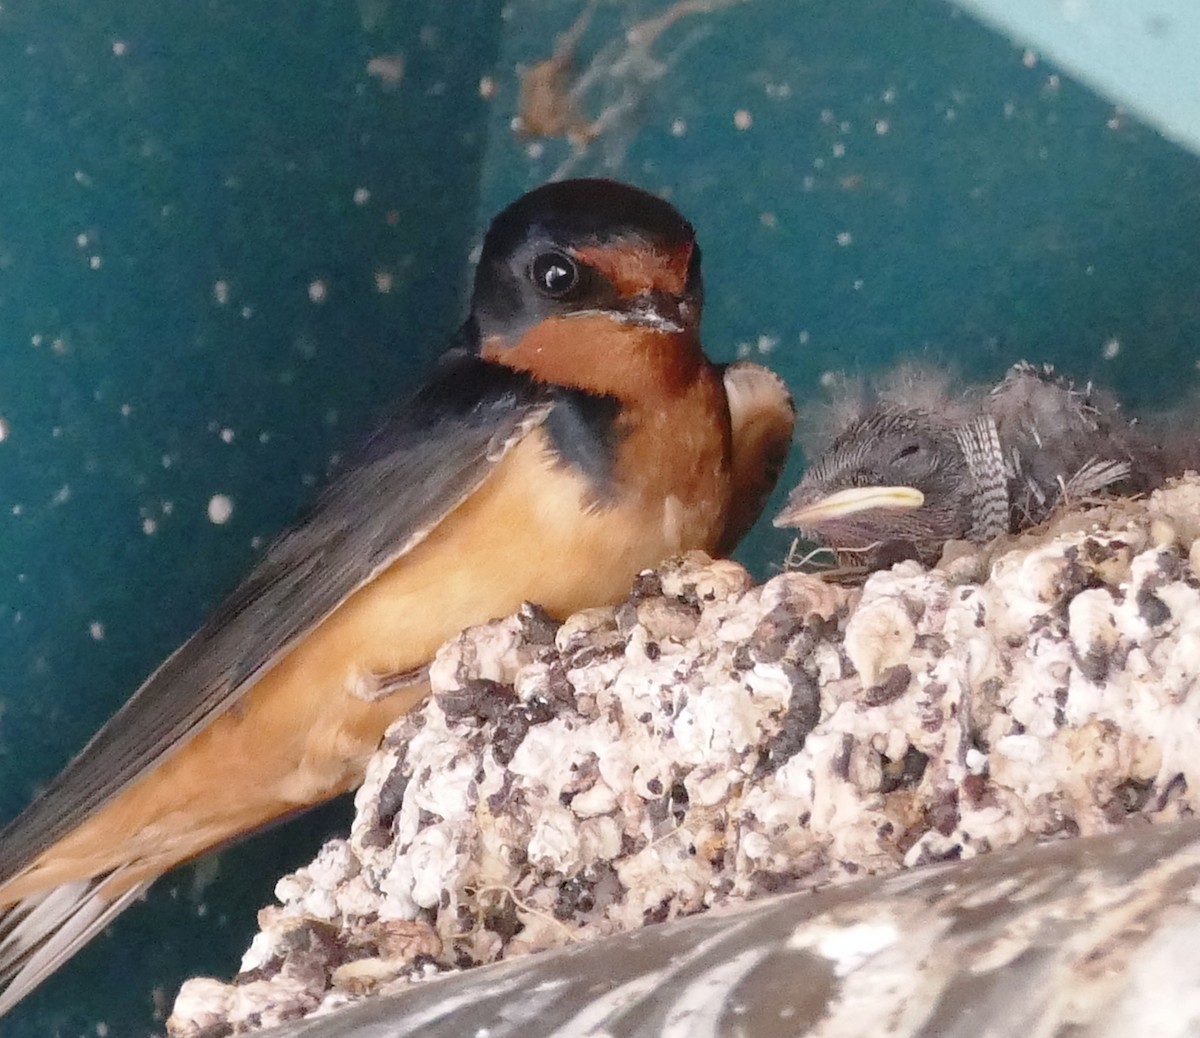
(908, 182)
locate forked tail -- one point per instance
(39, 933)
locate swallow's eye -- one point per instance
(554, 273)
(906, 452)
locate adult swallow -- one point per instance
(574, 434)
(922, 465)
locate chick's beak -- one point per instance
(812, 514)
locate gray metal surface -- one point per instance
(1095, 935)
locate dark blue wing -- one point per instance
(416, 468)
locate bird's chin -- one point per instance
(884, 554)
(866, 541)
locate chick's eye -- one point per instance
(554, 273)
(906, 452)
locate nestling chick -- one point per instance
(922, 465)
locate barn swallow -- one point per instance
(923, 465)
(574, 434)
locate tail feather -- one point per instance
(39, 933)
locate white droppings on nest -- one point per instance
(709, 741)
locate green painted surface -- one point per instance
(902, 180)
(220, 162)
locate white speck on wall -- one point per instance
(387, 68)
(361, 196)
(383, 281)
(535, 150)
(96, 630)
(126, 410)
(220, 508)
(119, 48)
(487, 88)
(742, 119)
(767, 343)
(882, 126)
(101, 1026)
(678, 127)
(247, 312)
(62, 495)
(3, 430)
(220, 292)
(227, 435)
(1111, 349)
(82, 240)
(318, 291)
(1029, 59)
(149, 525)
(804, 337)
(844, 238)
(839, 150)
